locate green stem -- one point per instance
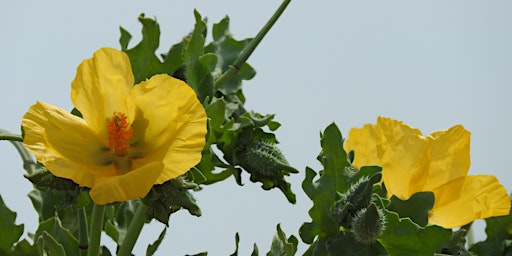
(96, 227)
(10, 136)
(133, 231)
(83, 235)
(235, 67)
(28, 162)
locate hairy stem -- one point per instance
(235, 67)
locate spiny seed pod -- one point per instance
(368, 224)
(264, 159)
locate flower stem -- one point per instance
(96, 227)
(133, 231)
(83, 244)
(235, 67)
(9, 136)
(28, 163)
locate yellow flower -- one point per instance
(130, 137)
(439, 163)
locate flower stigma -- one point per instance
(119, 134)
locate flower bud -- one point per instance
(357, 198)
(368, 224)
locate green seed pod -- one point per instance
(264, 159)
(368, 224)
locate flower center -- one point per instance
(119, 133)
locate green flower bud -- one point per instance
(368, 224)
(357, 198)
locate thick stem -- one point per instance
(83, 235)
(96, 227)
(235, 67)
(133, 231)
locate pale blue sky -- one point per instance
(432, 64)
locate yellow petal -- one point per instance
(101, 86)
(64, 144)
(364, 143)
(402, 151)
(170, 124)
(134, 184)
(449, 156)
(466, 199)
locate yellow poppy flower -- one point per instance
(439, 163)
(130, 137)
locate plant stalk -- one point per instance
(83, 235)
(28, 162)
(242, 58)
(96, 228)
(133, 230)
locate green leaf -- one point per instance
(154, 246)
(50, 245)
(24, 248)
(10, 232)
(124, 39)
(404, 237)
(416, 207)
(347, 245)
(499, 234)
(282, 246)
(170, 197)
(237, 240)
(198, 65)
(117, 220)
(144, 61)
(53, 227)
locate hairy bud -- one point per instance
(368, 224)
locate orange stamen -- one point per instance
(119, 133)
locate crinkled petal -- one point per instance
(402, 151)
(64, 144)
(363, 141)
(101, 86)
(449, 156)
(134, 184)
(466, 199)
(170, 125)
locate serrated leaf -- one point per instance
(154, 246)
(10, 232)
(237, 240)
(402, 237)
(50, 245)
(197, 67)
(346, 245)
(416, 207)
(24, 248)
(282, 246)
(53, 227)
(499, 232)
(124, 39)
(170, 197)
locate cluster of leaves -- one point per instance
(243, 138)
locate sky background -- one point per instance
(432, 64)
